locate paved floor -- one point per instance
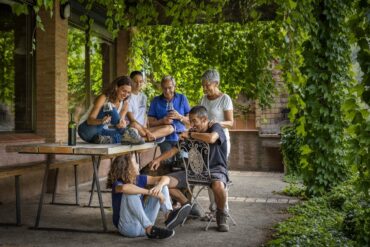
(254, 205)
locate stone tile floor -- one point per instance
(253, 203)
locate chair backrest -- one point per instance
(197, 163)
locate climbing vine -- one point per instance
(317, 70)
(241, 52)
(356, 106)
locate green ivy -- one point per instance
(318, 76)
(242, 53)
(290, 144)
(7, 69)
(356, 106)
(339, 218)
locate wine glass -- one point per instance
(107, 109)
(169, 107)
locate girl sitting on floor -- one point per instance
(131, 215)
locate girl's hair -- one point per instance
(111, 91)
(121, 169)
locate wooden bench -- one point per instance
(24, 168)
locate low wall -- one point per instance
(250, 152)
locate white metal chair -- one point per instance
(197, 171)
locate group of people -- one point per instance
(167, 122)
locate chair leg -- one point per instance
(209, 221)
(232, 219)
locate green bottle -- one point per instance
(71, 131)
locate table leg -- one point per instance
(93, 185)
(18, 200)
(77, 194)
(43, 189)
(96, 163)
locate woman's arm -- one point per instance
(98, 104)
(124, 109)
(228, 119)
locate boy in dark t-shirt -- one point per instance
(215, 137)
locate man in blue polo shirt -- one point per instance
(176, 115)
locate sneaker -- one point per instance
(99, 139)
(160, 233)
(131, 137)
(177, 216)
(221, 218)
(195, 211)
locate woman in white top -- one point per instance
(100, 122)
(220, 109)
(219, 105)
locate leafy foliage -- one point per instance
(340, 218)
(290, 144)
(242, 54)
(7, 68)
(356, 106)
(318, 76)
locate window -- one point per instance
(16, 71)
(90, 67)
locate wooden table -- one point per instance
(96, 151)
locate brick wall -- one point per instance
(249, 152)
(268, 120)
(272, 118)
(51, 77)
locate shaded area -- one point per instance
(255, 219)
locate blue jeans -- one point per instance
(135, 217)
(88, 132)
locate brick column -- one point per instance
(122, 51)
(51, 77)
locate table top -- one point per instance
(79, 149)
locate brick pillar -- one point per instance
(122, 51)
(51, 77)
